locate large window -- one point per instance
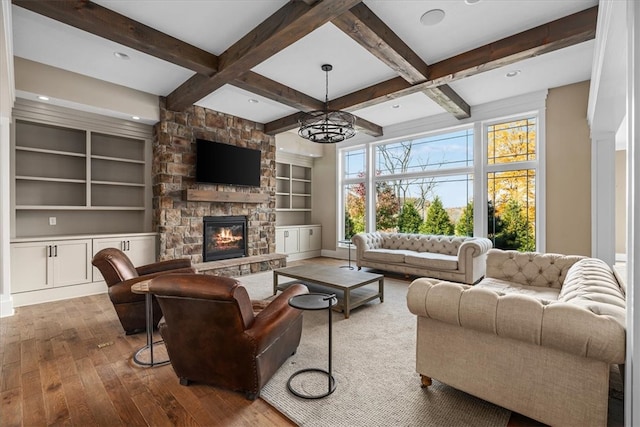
(427, 184)
(424, 185)
(511, 184)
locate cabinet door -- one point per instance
(310, 238)
(31, 266)
(141, 250)
(107, 242)
(287, 240)
(71, 262)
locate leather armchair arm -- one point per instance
(277, 316)
(182, 265)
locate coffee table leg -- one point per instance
(347, 303)
(275, 282)
(381, 289)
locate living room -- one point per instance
(578, 140)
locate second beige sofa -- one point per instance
(537, 335)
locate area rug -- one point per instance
(374, 368)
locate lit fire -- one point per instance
(226, 237)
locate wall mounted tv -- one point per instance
(219, 163)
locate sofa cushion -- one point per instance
(432, 260)
(385, 255)
(447, 245)
(502, 287)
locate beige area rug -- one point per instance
(374, 368)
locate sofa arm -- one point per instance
(474, 247)
(182, 264)
(562, 326)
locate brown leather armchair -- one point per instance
(120, 274)
(212, 335)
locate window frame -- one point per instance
(524, 106)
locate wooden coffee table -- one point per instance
(350, 285)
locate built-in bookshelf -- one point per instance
(77, 173)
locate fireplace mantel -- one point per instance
(223, 196)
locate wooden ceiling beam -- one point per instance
(370, 32)
(291, 122)
(103, 22)
(570, 30)
(263, 86)
(289, 24)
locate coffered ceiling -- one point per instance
(261, 59)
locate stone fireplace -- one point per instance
(224, 237)
(178, 216)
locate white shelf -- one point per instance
(124, 184)
(54, 152)
(118, 159)
(40, 178)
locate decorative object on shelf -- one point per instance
(327, 126)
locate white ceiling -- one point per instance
(216, 25)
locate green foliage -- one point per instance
(464, 227)
(437, 221)
(409, 220)
(387, 207)
(515, 232)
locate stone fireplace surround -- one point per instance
(179, 221)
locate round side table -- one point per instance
(347, 242)
(142, 287)
(315, 301)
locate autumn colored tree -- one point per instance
(464, 227)
(409, 220)
(387, 207)
(509, 142)
(437, 221)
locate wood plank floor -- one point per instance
(70, 363)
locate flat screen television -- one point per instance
(219, 163)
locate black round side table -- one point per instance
(315, 301)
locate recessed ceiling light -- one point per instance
(43, 98)
(432, 17)
(135, 117)
(471, 1)
(513, 73)
(121, 55)
(253, 101)
(395, 106)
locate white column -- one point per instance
(603, 158)
(7, 96)
(632, 380)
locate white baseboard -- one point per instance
(59, 293)
(621, 257)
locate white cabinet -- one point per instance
(287, 240)
(47, 264)
(141, 250)
(310, 238)
(299, 241)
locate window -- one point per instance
(427, 184)
(424, 185)
(511, 184)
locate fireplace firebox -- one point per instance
(224, 237)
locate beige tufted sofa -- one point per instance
(460, 259)
(536, 336)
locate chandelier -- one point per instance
(326, 126)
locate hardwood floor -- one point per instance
(70, 363)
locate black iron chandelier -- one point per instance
(326, 126)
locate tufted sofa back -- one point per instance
(530, 268)
(446, 245)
